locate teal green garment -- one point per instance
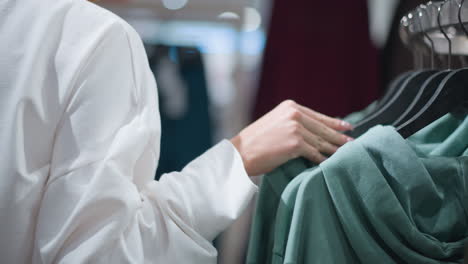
(287, 229)
(284, 214)
(283, 179)
(367, 204)
(447, 129)
(445, 137)
(261, 240)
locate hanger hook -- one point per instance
(439, 11)
(460, 7)
(426, 35)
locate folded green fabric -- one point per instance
(368, 204)
(444, 137)
(448, 137)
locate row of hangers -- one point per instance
(417, 98)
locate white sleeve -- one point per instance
(101, 204)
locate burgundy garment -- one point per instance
(319, 54)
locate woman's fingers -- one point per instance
(286, 132)
(312, 154)
(333, 123)
(324, 132)
(318, 143)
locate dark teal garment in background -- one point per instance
(446, 137)
(187, 135)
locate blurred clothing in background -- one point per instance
(184, 105)
(319, 54)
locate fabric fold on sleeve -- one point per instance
(215, 184)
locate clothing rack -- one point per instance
(438, 28)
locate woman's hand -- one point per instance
(287, 132)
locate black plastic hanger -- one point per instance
(430, 85)
(451, 94)
(424, 94)
(393, 88)
(396, 105)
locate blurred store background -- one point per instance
(205, 55)
(219, 64)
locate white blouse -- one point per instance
(79, 140)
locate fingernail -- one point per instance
(347, 125)
(348, 139)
